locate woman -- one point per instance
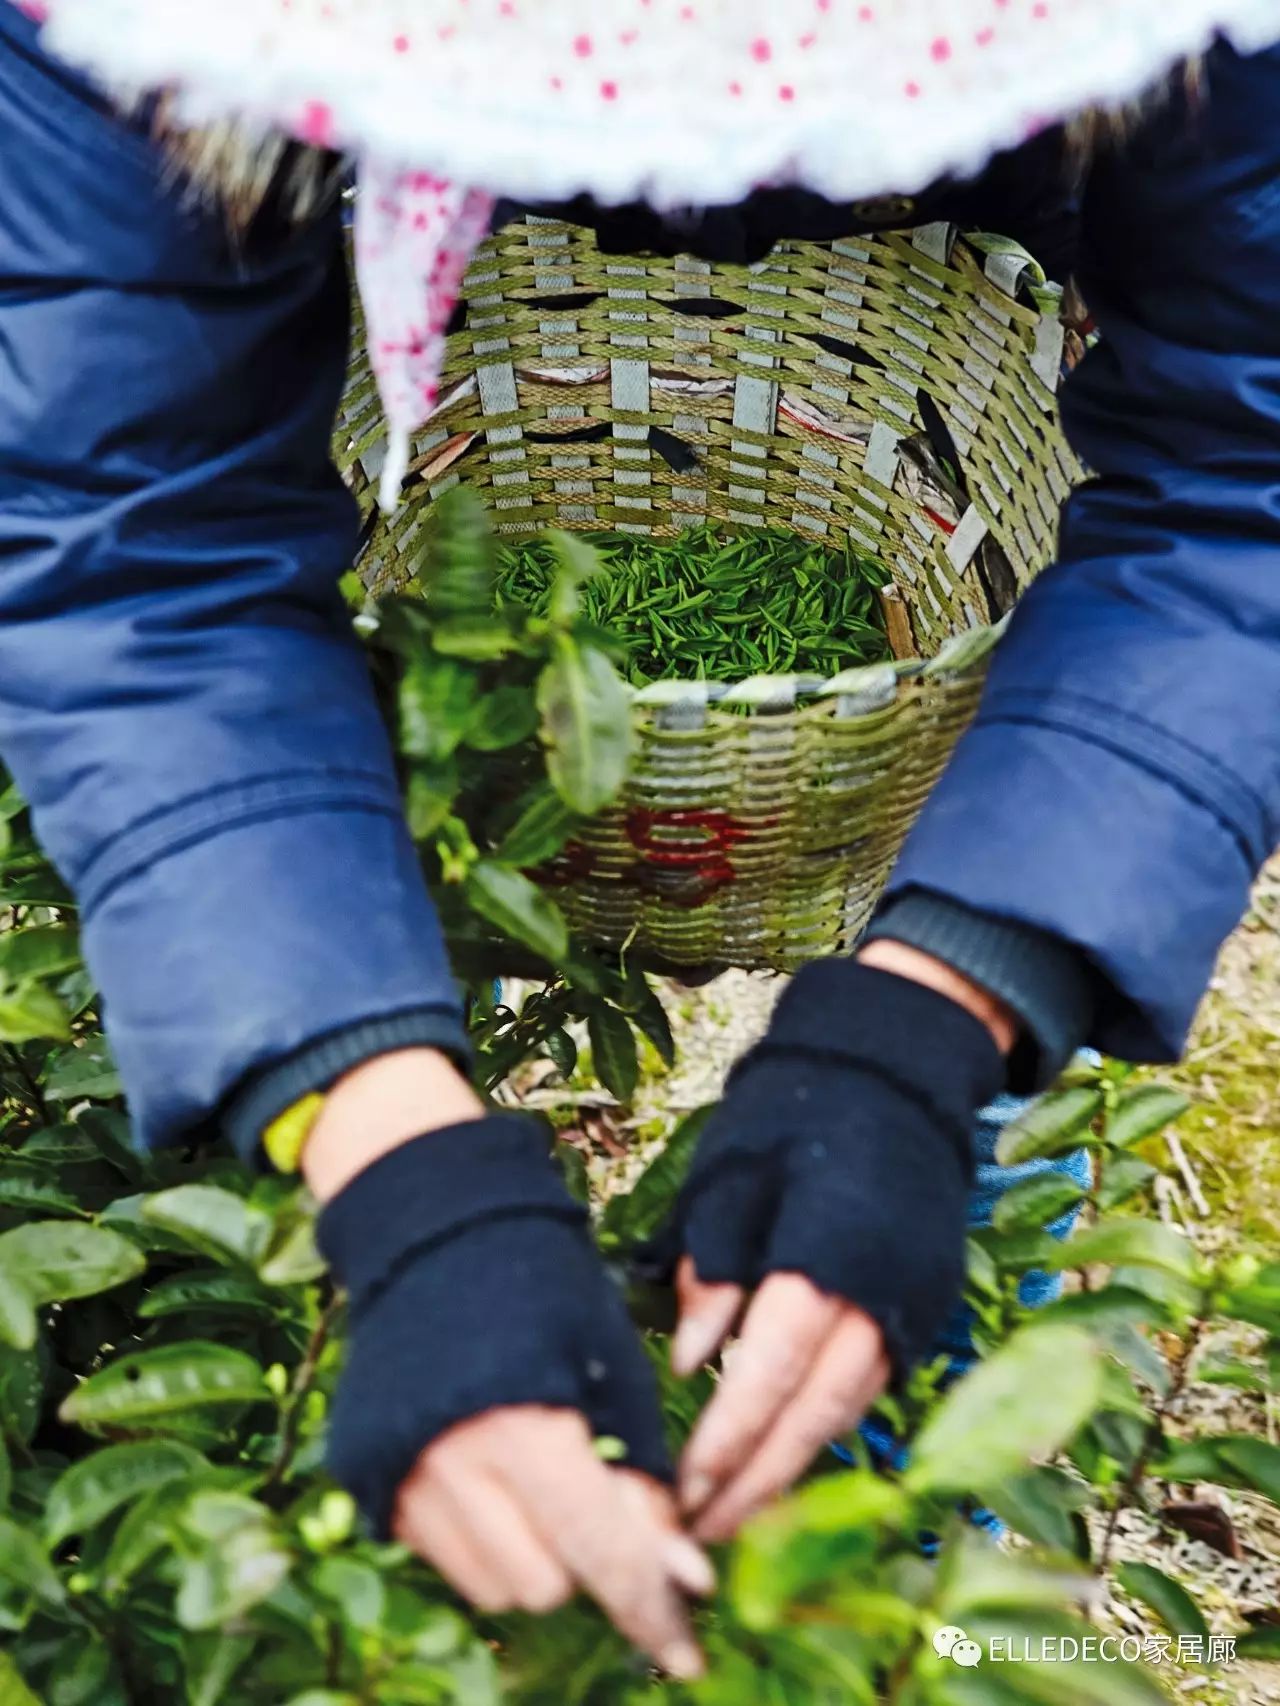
(182, 703)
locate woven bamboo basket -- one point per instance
(895, 391)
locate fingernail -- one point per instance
(695, 1342)
(695, 1490)
(681, 1660)
(690, 1566)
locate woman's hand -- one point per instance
(827, 1202)
(488, 1351)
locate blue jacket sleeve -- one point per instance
(1121, 784)
(181, 699)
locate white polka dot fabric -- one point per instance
(680, 102)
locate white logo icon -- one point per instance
(951, 1642)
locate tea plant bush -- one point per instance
(169, 1338)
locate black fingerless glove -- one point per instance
(842, 1151)
(473, 1283)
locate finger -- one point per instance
(786, 1326)
(707, 1315)
(848, 1375)
(496, 1527)
(610, 1541)
(425, 1521)
(686, 1562)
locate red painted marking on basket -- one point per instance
(948, 527)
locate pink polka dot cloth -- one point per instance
(448, 103)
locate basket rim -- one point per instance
(867, 687)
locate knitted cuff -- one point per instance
(836, 1012)
(318, 1065)
(1046, 981)
(426, 1191)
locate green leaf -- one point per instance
(18, 1324)
(1035, 1202)
(1257, 1300)
(1122, 1178)
(458, 565)
(1261, 1645)
(576, 564)
(504, 717)
(13, 1690)
(517, 907)
(641, 1004)
(114, 1475)
(436, 701)
(149, 1386)
(213, 1221)
(1023, 1402)
(636, 1216)
(563, 1051)
(145, 1529)
(1133, 1243)
(1255, 1461)
(1170, 1601)
(218, 1290)
(21, 1392)
(432, 789)
(613, 1050)
(23, 1560)
(821, 1534)
(355, 1588)
(1194, 1460)
(1054, 1125)
(221, 1583)
(539, 832)
(1045, 1505)
(42, 951)
(84, 1675)
(34, 1195)
(586, 725)
(55, 1260)
(212, 1663)
(85, 1071)
(294, 1259)
(31, 1013)
(6, 1474)
(1142, 1112)
(109, 1133)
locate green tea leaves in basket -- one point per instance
(705, 606)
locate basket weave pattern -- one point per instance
(894, 391)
